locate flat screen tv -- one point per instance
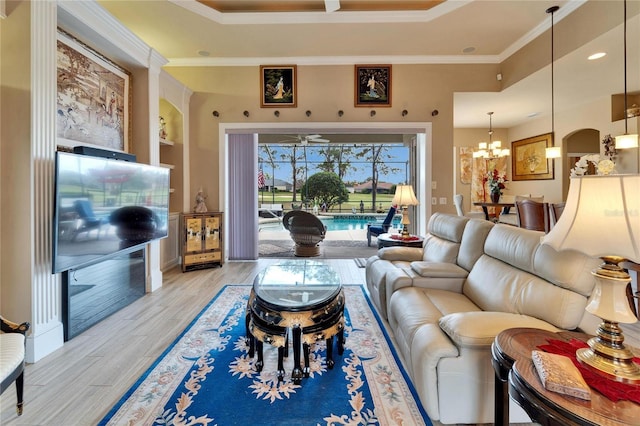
(104, 206)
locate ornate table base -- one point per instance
(266, 323)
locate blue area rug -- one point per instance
(206, 377)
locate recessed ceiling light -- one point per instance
(469, 49)
(203, 53)
(596, 56)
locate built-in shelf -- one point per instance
(167, 166)
(166, 142)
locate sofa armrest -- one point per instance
(479, 329)
(397, 278)
(428, 347)
(438, 269)
(408, 254)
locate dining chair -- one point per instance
(510, 217)
(533, 215)
(555, 210)
(458, 201)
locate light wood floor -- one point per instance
(80, 382)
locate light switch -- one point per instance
(434, 200)
(434, 185)
(443, 200)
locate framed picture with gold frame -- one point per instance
(373, 85)
(528, 159)
(278, 86)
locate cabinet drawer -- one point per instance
(202, 258)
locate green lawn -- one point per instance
(285, 198)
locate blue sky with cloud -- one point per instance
(396, 158)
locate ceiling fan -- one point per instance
(331, 5)
(305, 139)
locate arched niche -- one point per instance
(575, 145)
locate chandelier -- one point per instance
(492, 149)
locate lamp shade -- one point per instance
(553, 152)
(404, 196)
(601, 217)
(626, 141)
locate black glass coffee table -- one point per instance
(301, 299)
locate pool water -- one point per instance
(339, 223)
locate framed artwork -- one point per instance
(528, 159)
(278, 86)
(479, 169)
(466, 164)
(373, 85)
(93, 97)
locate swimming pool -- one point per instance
(338, 223)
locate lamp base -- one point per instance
(608, 356)
(405, 232)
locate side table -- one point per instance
(386, 240)
(515, 372)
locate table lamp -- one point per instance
(405, 197)
(601, 218)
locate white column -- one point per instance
(156, 61)
(46, 328)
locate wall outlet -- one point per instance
(443, 200)
(434, 201)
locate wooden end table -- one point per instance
(516, 374)
(385, 240)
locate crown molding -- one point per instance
(338, 17)
(333, 60)
(95, 26)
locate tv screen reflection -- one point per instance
(103, 206)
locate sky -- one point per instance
(396, 157)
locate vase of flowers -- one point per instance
(496, 184)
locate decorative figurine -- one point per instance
(163, 128)
(200, 206)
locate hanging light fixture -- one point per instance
(492, 149)
(554, 151)
(626, 140)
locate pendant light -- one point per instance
(554, 151)
(626, 140)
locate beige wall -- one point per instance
(324, 90)
(15, 139)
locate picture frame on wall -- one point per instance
(93, 97)
(278, 86)
(528, 158)
(373, 85)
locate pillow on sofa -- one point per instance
(479, 329)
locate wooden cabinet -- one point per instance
(202, 240)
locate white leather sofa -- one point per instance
(445, 304)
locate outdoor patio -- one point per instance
(336, 245)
